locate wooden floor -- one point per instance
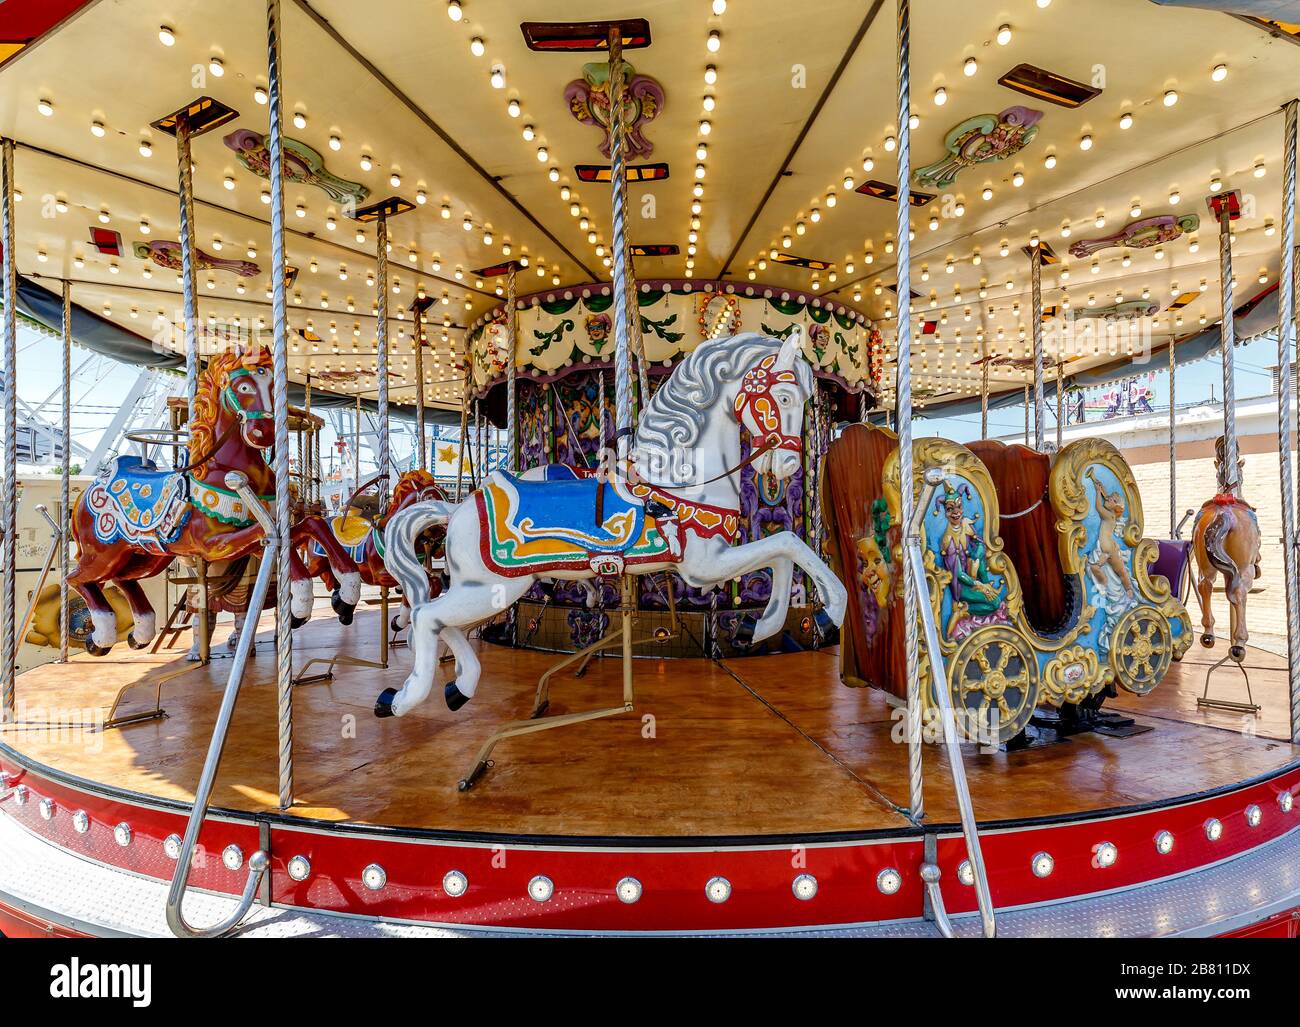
(765, 745)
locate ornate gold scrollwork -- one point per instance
(1071, 676)
(1141, 649)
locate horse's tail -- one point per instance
(401, 559)
(1217, 529)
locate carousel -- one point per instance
(711, 630)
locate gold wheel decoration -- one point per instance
(1141, 649)
(994, 682)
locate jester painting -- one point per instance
(875, 561)
(978, 598)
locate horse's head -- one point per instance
(414, 487)
(244, 384)
(769, 403)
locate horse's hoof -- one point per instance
(823, 621)
(1207, 641)
(455, 697)
(295, 622)
(344, 610)
(130, 640)
(745, 631)
(384, 704)
(1237, 652)
(97, 650)
(395, 625)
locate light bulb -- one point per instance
(1004, 35)
(166, 36)
(710, 75)
(1085, 142)
(940, 96)
(513, 109)
(498, 77)
(714, 42)
(1126, 120)
(97, 129)
(216, 67)
(970, 66)
(1219, 73)
(45, 107)
(1171, 97)
(259, 94)
(146, 148)
(477, 47)
(1049, 161)
(453, 10)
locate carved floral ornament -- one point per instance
(643, 101)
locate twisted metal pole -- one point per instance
(984, 387)
(1286, 339)
(10, 275)
(464, 445)
(618, 174)
(512, 370)
(903, 410)
(1036, 287)
(65, 485)
(1060, 403)
(421, 448)
(1228, 339)
(193, 363)
(1026, 388)
(280, 409)
(381, 359)
(1173, 443)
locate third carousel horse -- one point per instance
(363, 539)
(1225, 540)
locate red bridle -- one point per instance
(755, 399)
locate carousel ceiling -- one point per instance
(773, 122)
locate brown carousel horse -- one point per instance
(363, 539)
(1225, 539)
(135, 519)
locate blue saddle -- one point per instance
(564, 509)
(135, 501)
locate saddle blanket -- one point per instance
(532, 527)
(352, 531)
(136, 503)
(704, 520)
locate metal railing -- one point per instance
(934, 477)
(258, 862)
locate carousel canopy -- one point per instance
(762, 142)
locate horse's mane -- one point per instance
(409, 483)
(207, 398)
(677, 413)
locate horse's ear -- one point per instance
(790, 350)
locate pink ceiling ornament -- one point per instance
(301, 164)
(1140, 234)
(167, 253)
(643, 101)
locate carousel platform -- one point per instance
(753, 772)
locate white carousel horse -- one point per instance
(679, 512)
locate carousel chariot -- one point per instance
(1038, 576)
